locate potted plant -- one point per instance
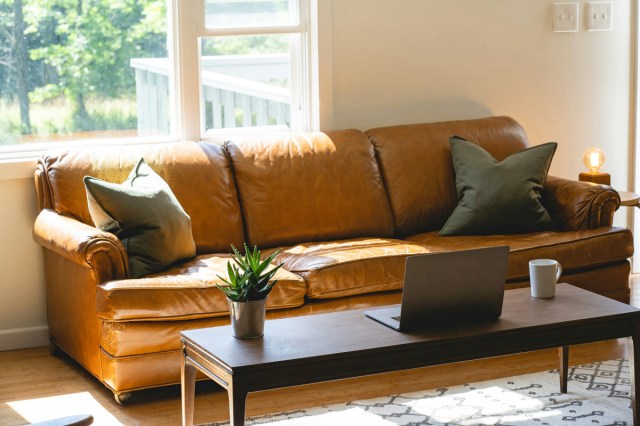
(249, 282)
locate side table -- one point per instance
(629, 199)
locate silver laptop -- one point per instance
(449, 287)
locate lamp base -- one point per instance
(595, 177)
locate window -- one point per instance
(86, 70)
(65, 69)
(246, 81)
(252, 59)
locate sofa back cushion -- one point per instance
(198, 174)
(302, 187)
(417, 169)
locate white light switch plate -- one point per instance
(599, 16)
(565, 17)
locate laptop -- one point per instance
(450, 287)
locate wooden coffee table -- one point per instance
(316, 348)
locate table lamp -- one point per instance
(594, 159)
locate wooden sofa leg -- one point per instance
(122, 398)
(53, 349)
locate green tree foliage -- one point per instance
(83, 48)
(95, 40)
(6, 47)
(79, 50)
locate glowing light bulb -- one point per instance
(593, 159)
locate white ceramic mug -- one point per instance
(544, 274)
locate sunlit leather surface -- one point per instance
(417, 169)
(309, 187)
(124, 369)
(205, 187)
(575, 250)
(579, 205)
(71, 310)
(345, 209)
(130, 338)
(186, 292)
(348, 267)
(83, 244)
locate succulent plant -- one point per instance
(249, 278)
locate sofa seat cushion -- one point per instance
(349, 267)
(575, 250)
(131, 338)
(187, 291)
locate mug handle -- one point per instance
(559, 271)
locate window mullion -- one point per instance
(285, 29)
(208, 115)
(187, 25)
(305, 85)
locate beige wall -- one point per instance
(426, 60)
(388, 62)
(23, 317)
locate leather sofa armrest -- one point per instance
(578, 205)
(85, 245)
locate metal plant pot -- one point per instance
(247, 318)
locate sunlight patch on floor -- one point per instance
(348, 417)
(484, 406)
(41, 409)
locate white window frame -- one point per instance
(17, 161)
(188, 28)
(185, 27)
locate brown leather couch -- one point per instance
(346, 206)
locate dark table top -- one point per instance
(313, 336)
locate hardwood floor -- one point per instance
(35, 386)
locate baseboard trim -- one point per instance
(24, 337)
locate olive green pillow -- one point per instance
(499, 197)
(145, 214)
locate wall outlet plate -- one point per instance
(599, 16)
(565, 17)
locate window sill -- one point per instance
(17, 168)
(21, 164)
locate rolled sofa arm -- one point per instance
(85, 245)
(578, 205)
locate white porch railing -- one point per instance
(232, 94)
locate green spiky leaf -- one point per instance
(249, 277)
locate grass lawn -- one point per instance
(53, 120)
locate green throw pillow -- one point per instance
(499, 197)
(145, 215)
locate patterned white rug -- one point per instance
(599, 394)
